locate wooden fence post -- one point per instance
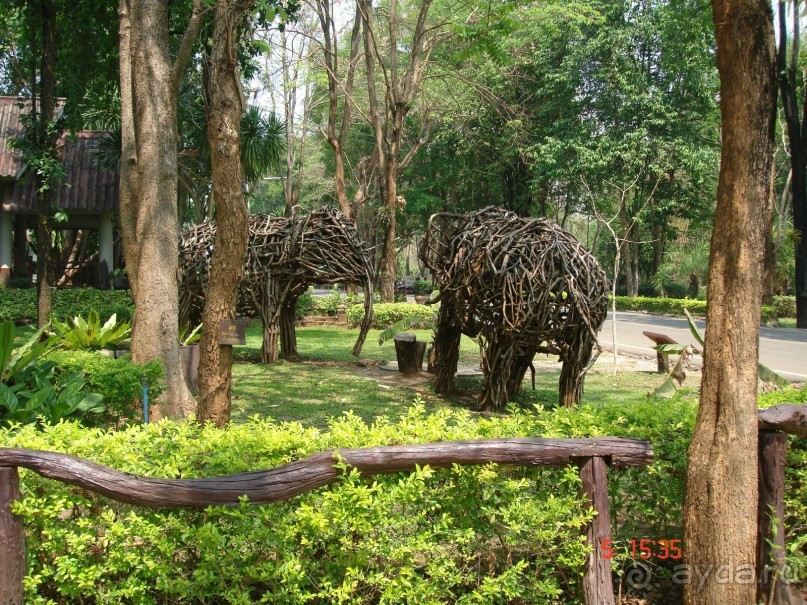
(598, 586)
(774, 585)
(12, 540)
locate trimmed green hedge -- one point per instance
(117, 380)
(783, 306)
(661, 305)
(386, 314)
(19, 305)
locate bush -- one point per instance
(485, 534)
(330, 304)
(30, 388)
(304, 305)
(19, 305)
(784, 306)
(117, 380)
(422, 287)
(676, 290)
(403, 538)
(386, 314)
(674, 306)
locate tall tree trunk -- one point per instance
(659, 241)
(390, 259)
(720, 509)
(148, 186)
(224, 110)
(46, 143)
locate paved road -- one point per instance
(782, 349)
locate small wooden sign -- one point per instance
(232, 332)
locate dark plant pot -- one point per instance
(409, 352)
(189, 360)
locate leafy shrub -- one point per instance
(784, 306)
(119, 381)
(30, 388)
(78, 333)
(304, 305)
(676, 290)
(465, 535)
(397, 539)
(19, 305)
(422, 287)
(661, 305)
(21, 283)
(331, 303)
(386, 314)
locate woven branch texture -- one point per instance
(520, 285)
(285, 256)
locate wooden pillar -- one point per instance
(774, 582)
(598, 586)
(12, 541)
(20, 265)
(5, 247)
(106, 251)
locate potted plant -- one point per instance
(422, 288)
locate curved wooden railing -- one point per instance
(592, 456)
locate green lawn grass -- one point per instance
(327, 383)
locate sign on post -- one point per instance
(232, 332)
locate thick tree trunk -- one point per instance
(148, 200)
(224, 110)
(720, 511)
(45, 140)
(288, 335)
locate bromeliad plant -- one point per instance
(686, 352)
(77, 333)
(30, 387)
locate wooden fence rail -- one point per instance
(592, 455)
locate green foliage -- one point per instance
(673, 306)
(188, 336)
(422, 286)
(78, 333)
(19, 305)
(331, 303)
(119, 381)
(483, 534)
(386, 314)
(304, 305)
(784, 306)
(30, 388)
(403, 326)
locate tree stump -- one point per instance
(409, 353)
(12, 541)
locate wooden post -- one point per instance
(774, 583)
(12, 541)
(598, 587)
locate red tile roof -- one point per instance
(10, 110)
